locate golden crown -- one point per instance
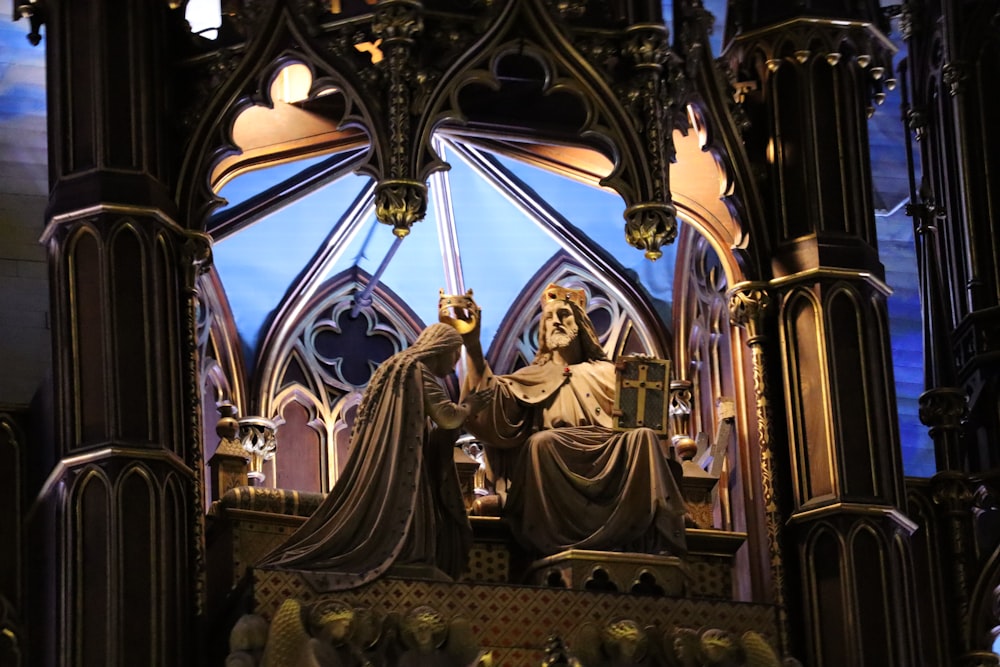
(449, 303)
(556, 292)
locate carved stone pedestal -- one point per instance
(515, 624)
(699, 495)
(710, 562)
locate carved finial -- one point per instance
(651, 226)
(37, 13)
(400, 203)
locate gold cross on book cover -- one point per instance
(642, 394)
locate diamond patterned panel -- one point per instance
(711, 577)
(515, 621)
(489, 563)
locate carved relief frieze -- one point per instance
(334, 631)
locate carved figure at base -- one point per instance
(574, 483)
(342, 634)
(431, 641)
(398, 500)
(247, 640)
(619, 644)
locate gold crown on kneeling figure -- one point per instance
(556, 292)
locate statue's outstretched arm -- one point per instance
(443, 411)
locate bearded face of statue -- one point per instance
(559, 327)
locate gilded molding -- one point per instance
(892, 514)
(979, 659)
(814, 275)
(801, 31)
(749, 306)
(96, 456)
(62, 220)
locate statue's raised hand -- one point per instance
(478, 400)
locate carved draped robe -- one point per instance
(398, 500)
(574, 483)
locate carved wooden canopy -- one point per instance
(593, 89)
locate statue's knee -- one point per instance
(540, 441)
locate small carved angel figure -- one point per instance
(760, 654)
(432, 642)
(618, 644)
(721, 649)
(342, 634)
(687, 647)
(247, 640)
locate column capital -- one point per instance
(943, 407)
(749, 305)
(953, 491)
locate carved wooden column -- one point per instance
(13, 447)
(960, 551)
(952, 70)
(748, 306)
(122, 505)
(950, 76)
(816, 79)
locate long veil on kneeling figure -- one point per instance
(398, 500)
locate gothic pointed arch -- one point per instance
(625, 320)
(317, 364)
(224, 80)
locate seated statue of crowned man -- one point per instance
(574, 482)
